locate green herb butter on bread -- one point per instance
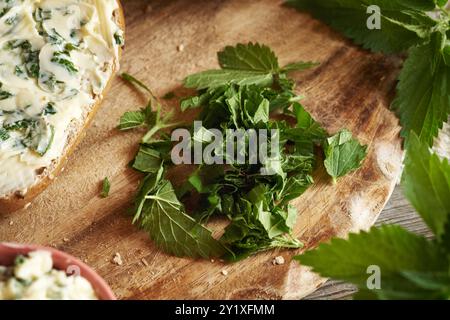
(57, 58)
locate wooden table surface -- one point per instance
(352, 88)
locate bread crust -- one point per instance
(17, 201)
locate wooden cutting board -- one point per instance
(351, 88)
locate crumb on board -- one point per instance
(11, 223)
(224, 272)
(27, 206)
(66, 239)
(180, 48)
(144, 262)
(117, 259)
(212, 260)
(278, 261)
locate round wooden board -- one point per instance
(351, 88)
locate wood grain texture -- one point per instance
(352, 88)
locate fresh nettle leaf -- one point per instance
(258, 226)
(399, 254)
(163, 217)
(423, 99)
(307, 134)
(106, 187)
(241, 96)
(244, 64)
(343, 154)
(426, 184)
(148, 160)
(157, 123)
(422, 28)
(132, 120)
(250, 57)
(350, 17)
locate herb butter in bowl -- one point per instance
(38, 273)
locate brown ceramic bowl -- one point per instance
(61, 261)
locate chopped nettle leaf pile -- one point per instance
(408, 266)
(253, 193)
(420, 27)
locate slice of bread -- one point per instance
(18, 199)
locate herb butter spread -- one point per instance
(33, 278)
(56, 57)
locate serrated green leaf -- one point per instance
(243, 64)
(249, 57)
(391, 248)
(262, 113)
(132, 120)
(173, 230)
(343, 154)
(216, 78)
(426, 184)
(423, 95)
(307, 132)
(148, 160)
(194, 102)
(350, 17)
(238, 98)
(420, 23)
